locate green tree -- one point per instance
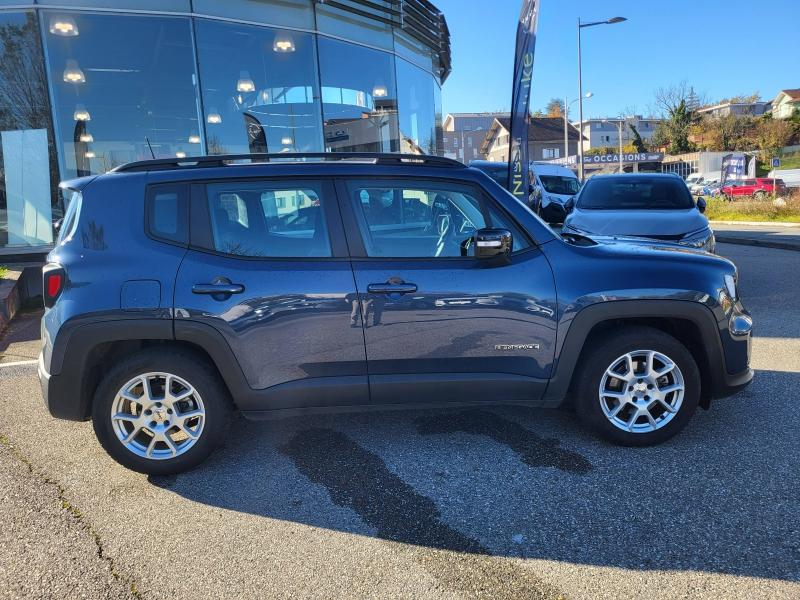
(637, 142)
(554, 108)
(771, 135)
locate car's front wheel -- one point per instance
(161, 412)
(637, 387)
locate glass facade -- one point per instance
(86, 86)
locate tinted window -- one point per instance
(268, 219)
(498, 173)
(627, 193)
(423, 219)
(556, 184)
(167, 212)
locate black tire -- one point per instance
(600, 356)
(188, 366)
(759, 195)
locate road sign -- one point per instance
(776, 162)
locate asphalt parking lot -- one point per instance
(507, 503)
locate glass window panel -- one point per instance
(359, 98)
(288, 13)
(437, 107)
(351, 26)
(417, 115)
(268, 219)
(124, 90)
(260, 89)
(413, 50)
(28, 175)
(164, 5)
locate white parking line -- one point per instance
(19, 363)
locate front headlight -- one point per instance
(704, 238)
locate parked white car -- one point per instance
(697, 182)
(791, 177)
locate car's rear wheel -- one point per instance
(637, 387)
(161, 412)
(760, 195)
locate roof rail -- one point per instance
(221, 160)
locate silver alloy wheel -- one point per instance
(641, 391)
(158, 415)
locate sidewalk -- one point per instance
(778, 235)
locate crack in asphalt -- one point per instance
(533, 450)
(75, 512)
(358, 479)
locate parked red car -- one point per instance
(759, 187)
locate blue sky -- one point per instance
(721, 47)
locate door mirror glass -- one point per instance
(701, 205)
(493, 243)
(569, 205)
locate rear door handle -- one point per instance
(217, 288)
(391, 288)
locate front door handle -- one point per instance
(217, 288)
(391, 288)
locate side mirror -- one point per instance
(493, 243)
(569, 205)
(701, 205)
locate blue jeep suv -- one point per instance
(180, 290)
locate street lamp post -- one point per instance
(610, 21)
(567, 104)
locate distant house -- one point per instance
(785, 103)
(738, 109)
(545, 139)
(605, 132)
(464, 133)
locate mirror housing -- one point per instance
(701, 205)
(493, 243)
(569, 205)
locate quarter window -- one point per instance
(167, 212)
(423, 220)
(268, 220)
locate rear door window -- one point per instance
(268, 219)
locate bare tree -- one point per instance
(669, 98)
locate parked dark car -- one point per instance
(652, 206)
(181, 289)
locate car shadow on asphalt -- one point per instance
(528, 483)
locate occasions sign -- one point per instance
(629, 157)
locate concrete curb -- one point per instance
(756, 223)
(723, 239)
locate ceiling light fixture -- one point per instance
(284, 44)
(379, 91)
(214, 118)
(245, 83)
(194, 139)
(180, 154)
(73, 73)
(90, 154)
(286, 140)
(81, 114)
(63, 26)
(86, 137)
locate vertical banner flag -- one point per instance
(518, 169)
(733, 167)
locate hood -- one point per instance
(637, 223)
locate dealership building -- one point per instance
(86, 85)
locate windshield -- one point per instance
(635, 192)
(556, 184)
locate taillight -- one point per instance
(53, 280)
